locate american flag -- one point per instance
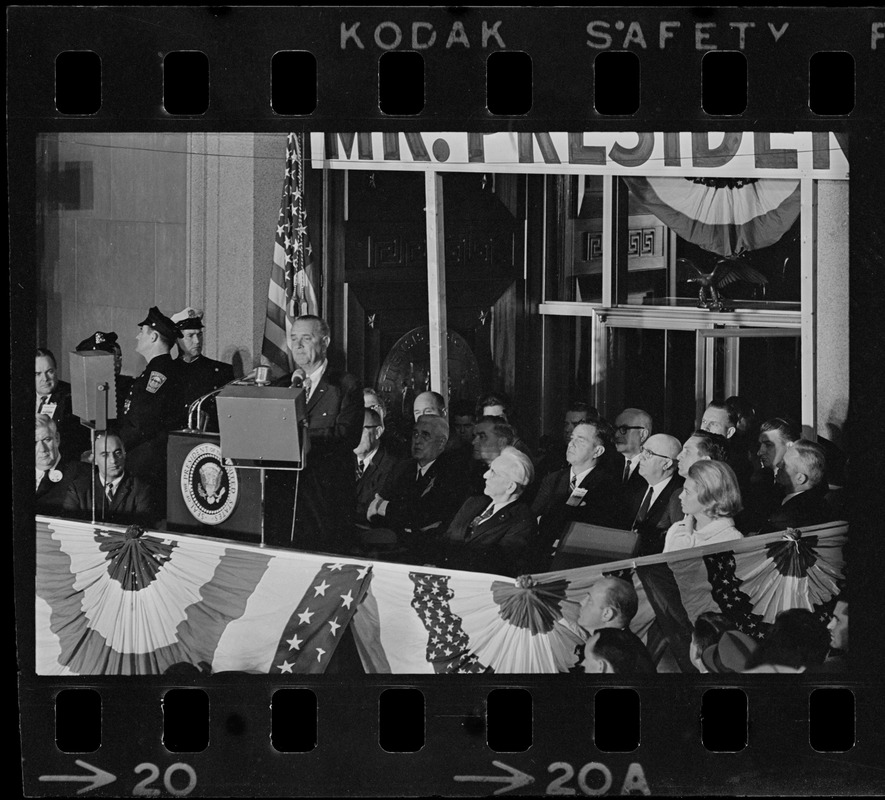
(447, 643)
(291, 291)
(319, 620)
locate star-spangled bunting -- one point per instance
(314, 629)
(291, 292)
(727, 593)
(447, 643)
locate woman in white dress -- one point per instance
(710, 499)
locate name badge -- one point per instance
(577, 497)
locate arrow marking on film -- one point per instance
(98, 777)
(516, 779)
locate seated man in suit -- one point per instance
(655, 513)
(429, 403)
(494, 532)
(53, 474)
(801, 473)
(490, 436)
(120, 497)
(610, 603)
(374, 465)
(764, 494)
(632, 427)
(54, 400)
(583, 492)
(426, 491)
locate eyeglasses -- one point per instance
(622, 429)
(645, 453)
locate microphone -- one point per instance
(195, 408)
(298, 377)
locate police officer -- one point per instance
(151, 410)
(199, 375)
(107, 343)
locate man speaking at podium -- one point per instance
(326, 486)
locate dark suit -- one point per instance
(800, 511)
(74, 437)
(661, 514)
(633, 489)
(599, 506)
(376, 479)
(150, 412)
(133, 502)
(420, 509)
(327, 484)
(199, 377)
(502, 544)
(51, 496)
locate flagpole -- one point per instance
(327, 213)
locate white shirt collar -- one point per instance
(367, 459)
(424, 469)
(579, 477)
(658, 488)
(114, 483)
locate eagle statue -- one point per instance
(726, 271)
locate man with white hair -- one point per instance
(801, 473)
(495, 531)
(52, 473)
(425, 492)
(655, 513)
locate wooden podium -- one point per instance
(207, 497)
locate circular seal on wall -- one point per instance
(209, 488)
(405, 372)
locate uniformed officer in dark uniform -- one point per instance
(151, 410)
(107, 343)
(199, 375)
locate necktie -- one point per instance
(41, 402)
(109, 492)
(360, 469)
(643, 509)
(573, 483)
(307, 383)
(626, 471)
(480, 518)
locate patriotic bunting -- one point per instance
(726, 217)
(112, 602)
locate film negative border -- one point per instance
(456, 758)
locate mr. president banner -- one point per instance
(112, 602)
